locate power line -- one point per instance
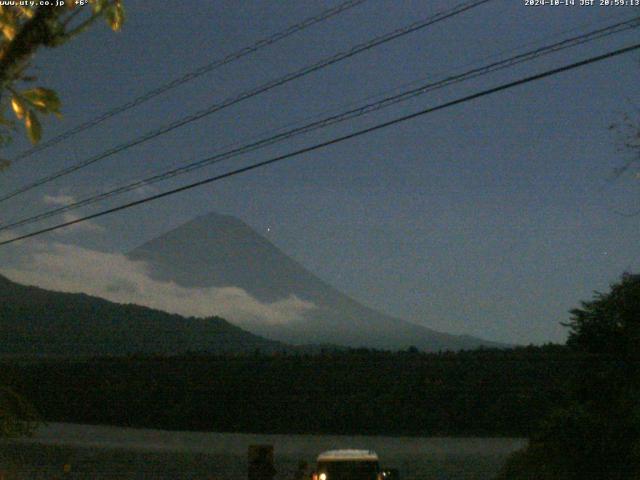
(254, 92)
(264, 42)
(333, 141)
(337, 118)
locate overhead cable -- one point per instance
(337, 118)
(192, 75)
(251, 93)
(318, 146)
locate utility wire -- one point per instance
(333, 119)
(262, 43)
(252, 93)
(317, 146)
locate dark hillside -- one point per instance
(34, 321)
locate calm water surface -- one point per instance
(102, 452)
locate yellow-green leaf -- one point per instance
(4, 164)
(9, 31)
(27, 12)
(18, 106)
(99, 5)
(43, 99)
(34, 129)
(115, 16)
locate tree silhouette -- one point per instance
(609, 323)
(598, 435)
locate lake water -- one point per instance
(102, 452)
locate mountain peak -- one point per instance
(216, 250)
(209, 225)
(217, 219)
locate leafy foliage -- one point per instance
(598, 435)
(23, 30)
(610, 323)
(628, 132)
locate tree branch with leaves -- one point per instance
(628, 130)
(25, 30)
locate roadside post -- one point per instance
(261, 462)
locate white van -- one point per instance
(348, 465)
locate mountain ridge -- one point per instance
(35, 321)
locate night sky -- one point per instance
(491, 218)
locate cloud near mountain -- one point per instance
(70, 268)
(63, 200)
